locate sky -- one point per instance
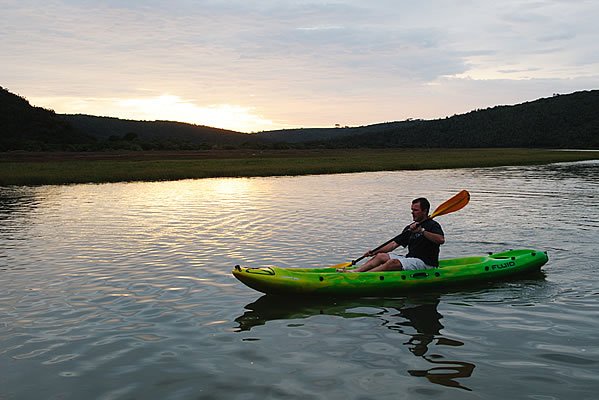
(250, 65)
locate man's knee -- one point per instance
(391, 265)
(383, 257)
(395, 264)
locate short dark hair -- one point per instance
(424, 204)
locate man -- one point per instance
(422, 237)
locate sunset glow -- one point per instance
(294, 64)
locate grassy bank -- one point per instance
(62, 168)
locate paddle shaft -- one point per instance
(354, 262)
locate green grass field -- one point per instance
(156, 166)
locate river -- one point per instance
(124, 291)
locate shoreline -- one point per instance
(57, 168)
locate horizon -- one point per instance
(253, 66)
(299, 128)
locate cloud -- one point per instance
(298, 63)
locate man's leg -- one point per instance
(391, 265)
(374, 262)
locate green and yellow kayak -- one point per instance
(330, 282)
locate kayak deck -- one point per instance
(328, 281)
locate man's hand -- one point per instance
(415, 227)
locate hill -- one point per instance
(24, 127)
(165, 132)
(561, 121)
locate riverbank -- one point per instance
(21, 168)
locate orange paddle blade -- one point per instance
(456, 203)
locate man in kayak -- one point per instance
(422, 237)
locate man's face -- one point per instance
(418, 213)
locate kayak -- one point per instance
(330, 282)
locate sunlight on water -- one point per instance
(124, 290)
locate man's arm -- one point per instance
(385, 249)
(433, 237)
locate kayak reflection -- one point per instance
(415, 317)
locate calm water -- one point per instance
(124, 291)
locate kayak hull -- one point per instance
(330, 282)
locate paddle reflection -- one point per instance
(416, 318)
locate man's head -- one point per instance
(420, 209)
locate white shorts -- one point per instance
(409, 263)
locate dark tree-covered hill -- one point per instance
(561, 121)
(107, 127)
(24, 127)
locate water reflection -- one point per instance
(416, 318)
(586, 171)
(17, 200)
(17, 205)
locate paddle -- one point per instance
(455, 203)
